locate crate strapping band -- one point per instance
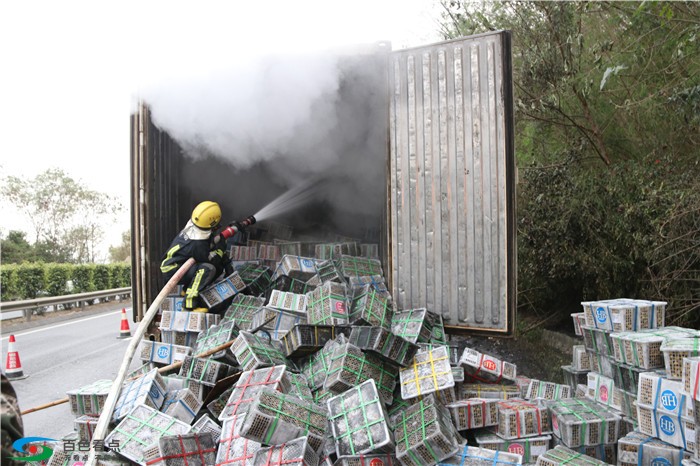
(517, 407)
(352, 429)
(585, 408)
(244, 384)
(503, 390)
(433, 373)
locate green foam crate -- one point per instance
(415, 325)
(350, 366)
(274, 418)
(382, 342)
(424, 434)
(371, 307)
(253, 352)
(241, 311)
(358, 421)
(304, 339)
(141, 428)
(328, 305)
(429, 372)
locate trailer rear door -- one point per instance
(451, 238)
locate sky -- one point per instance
(72, 70)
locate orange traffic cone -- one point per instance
(13, 366)
(124, 331)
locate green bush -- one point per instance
(8, 282)
(121, 275)
(631, 230)
(56, 277)
(31, 280)
(100, 277)
(83, 276)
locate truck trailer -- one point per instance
(432, 130)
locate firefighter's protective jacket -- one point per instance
(190, 242)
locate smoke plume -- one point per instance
(275, 121)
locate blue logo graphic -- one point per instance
(163, 352)
(660, 462)
(667, 425)
(222, 288)
(154, 392)
(39, 453)
(307, 263)
(601, 315)
(669, 400)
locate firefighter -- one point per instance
(195, 240)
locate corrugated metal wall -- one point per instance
(452, 188)
(155, 161)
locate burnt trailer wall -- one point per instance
(452, 181)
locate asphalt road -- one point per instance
(62, 356)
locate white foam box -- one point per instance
(85, 426)
(523, 383)
(643, 348)
(206, 424)
(600, 388)
(172, 303)
(188, 321)
(580, 360)
(563, 456)
(481, 390)
(242, 253)
(223, 289)
(529, 448)
(606, 453)
(253, 351)
(182, 405)
(234, 449)
(691, 377)
(487, 368)
(277, 322)
(521, 419)
(173, 337)
(601, 364)
(163, 353)
(429, 372)
(295, 452)
(150, 425)
(539, 389)
(579, 319)
(147, 390)
(476, 456)
(89, 399)
(664, 394)
(675, 351)
(673, 429)
(572, 378)
(474, 413)
(287, 301)
(619, 315)
(636, 448)
(300, 268)
(582, 422)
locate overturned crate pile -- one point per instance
(322, 368)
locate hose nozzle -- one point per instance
(248, 221)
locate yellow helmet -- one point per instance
(206, 215)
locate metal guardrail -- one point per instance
(29, 305)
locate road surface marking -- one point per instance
(49, 327)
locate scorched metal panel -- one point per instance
(452, 183)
